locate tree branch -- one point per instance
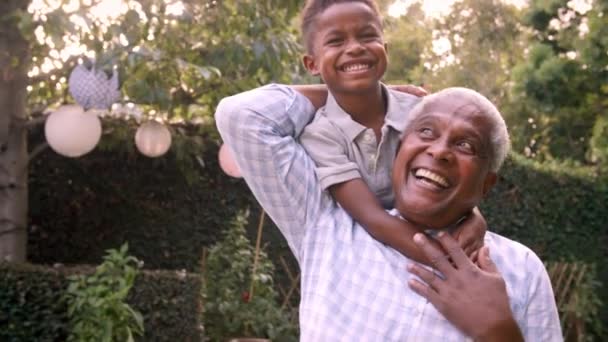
(36, 151)
(15, 227)
(37, 117)
(35, 121)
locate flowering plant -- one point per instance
(239, 299)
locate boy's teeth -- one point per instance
(430, 175)
(356, 67)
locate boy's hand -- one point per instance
(410, 89)
(471, 233)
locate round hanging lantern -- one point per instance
(91, 88)
(153, 139)
(72, 132)
(227, 162)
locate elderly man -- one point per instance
(355, 288)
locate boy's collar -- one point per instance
(351, 128)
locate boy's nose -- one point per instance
(354, 47)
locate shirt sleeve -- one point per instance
(261, 127)
(328, 149)
(541, 320)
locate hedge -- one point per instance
(32, 307)
(79, 208)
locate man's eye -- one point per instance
(426, 132)
(466, 146)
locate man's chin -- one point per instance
(427, 217)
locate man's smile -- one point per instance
(430, 179)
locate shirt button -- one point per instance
(368, 138)
(372, 162)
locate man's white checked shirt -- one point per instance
(353, 287)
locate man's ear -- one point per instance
(310, 65)
(489, 182)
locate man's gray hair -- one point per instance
(499, 135)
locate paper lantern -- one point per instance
(153, 139)
(72, 132)
(91, 88)
(227, 162)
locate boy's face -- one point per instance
(348, 48)
(442, 169)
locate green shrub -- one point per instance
(97, 305)
(170, 303)
(33, 305)
(230, 309)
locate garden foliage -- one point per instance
(33, 305)
(97, 306)
(233, 306)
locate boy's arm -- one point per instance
(361, 203)
(341, 176)
(315, 93)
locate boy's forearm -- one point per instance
(358, 200)
(316, 93)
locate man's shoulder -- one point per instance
(511, 255)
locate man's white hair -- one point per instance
(498, 134)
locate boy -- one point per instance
(354, 138)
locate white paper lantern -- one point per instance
(72, 132)
(227, 162)
(153, 139)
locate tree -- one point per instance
(14, 57)
(562, 87)
(176, 59)
(482, 39)
(408, 37)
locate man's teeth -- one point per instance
(430, 175)
(356, 67)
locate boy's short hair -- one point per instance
(314, 8)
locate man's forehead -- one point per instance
(450, 105)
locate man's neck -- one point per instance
(433, 231)
(367, 108)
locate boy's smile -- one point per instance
(348, 48)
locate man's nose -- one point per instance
(440, 151)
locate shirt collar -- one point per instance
(352, 128)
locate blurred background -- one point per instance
(544, 63)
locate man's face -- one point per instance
(348, 48)
(442, 168)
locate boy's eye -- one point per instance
(333, 41)
(369, 36)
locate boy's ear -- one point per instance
(386, 47)
(310, 65)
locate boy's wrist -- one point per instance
(505, 330)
